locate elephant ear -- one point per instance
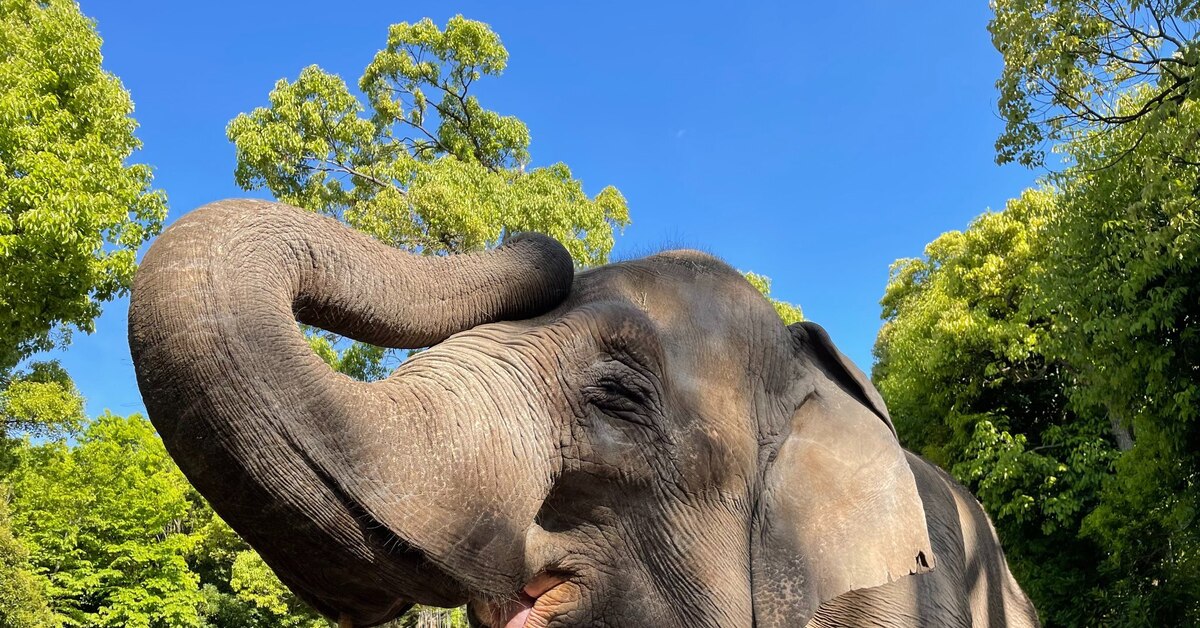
(839, 508)
(851, 377)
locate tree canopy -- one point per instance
(1089, 66)
(429, 169)
(117, 537)
(1124, 266)
(72, 213)
(102, 520)
(22, 601)
(423, 166)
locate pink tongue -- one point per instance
(518, 620)
(520, 609)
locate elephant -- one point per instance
(643, 443)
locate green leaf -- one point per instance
(72, 212)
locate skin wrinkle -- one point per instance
(653, 436)
(208, 370)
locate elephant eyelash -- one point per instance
(637, 417)
(612, 390)
(621, 400)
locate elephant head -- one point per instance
(643, 443)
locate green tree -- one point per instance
(1070, 67)
(109, 521)
(1112, 87)
(72, 214)
(430, 169)
(961, 359)
(22, 600)
(104, 521)
(1096, 495)
(121, 539)
(1123, 273)
(40, 400)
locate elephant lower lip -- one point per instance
(530, 609)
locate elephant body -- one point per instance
(971, 585)
(639, 444)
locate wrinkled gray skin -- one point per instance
(646, 436)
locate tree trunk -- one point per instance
(1120, 432)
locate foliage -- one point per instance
(429, 169)
(961, 360)
(72, 214)
(1069, 65)
(22, 601)
(964, 309)
(1123, 273)
(103, 523)
(1121, 268)
(263, 599)
(121, 539)
(40, 400)
(789, 312)
(1091, 470)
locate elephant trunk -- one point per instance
(351, 491)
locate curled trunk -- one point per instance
(335, 482)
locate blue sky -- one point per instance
(813, 145)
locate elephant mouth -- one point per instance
(540, 600)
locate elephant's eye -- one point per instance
(622, 398)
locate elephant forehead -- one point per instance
(681, 291)
(716, 332)
(715, 329)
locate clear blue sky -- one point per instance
(813, 145)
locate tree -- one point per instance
(1068, 399)
(430, 170)
(962, 361)
(39, 400)
(72, 214)
(1071, 66)
(104, 523)
(1123, 274)
(120, 538)
(22, 601)
(1113, 84)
